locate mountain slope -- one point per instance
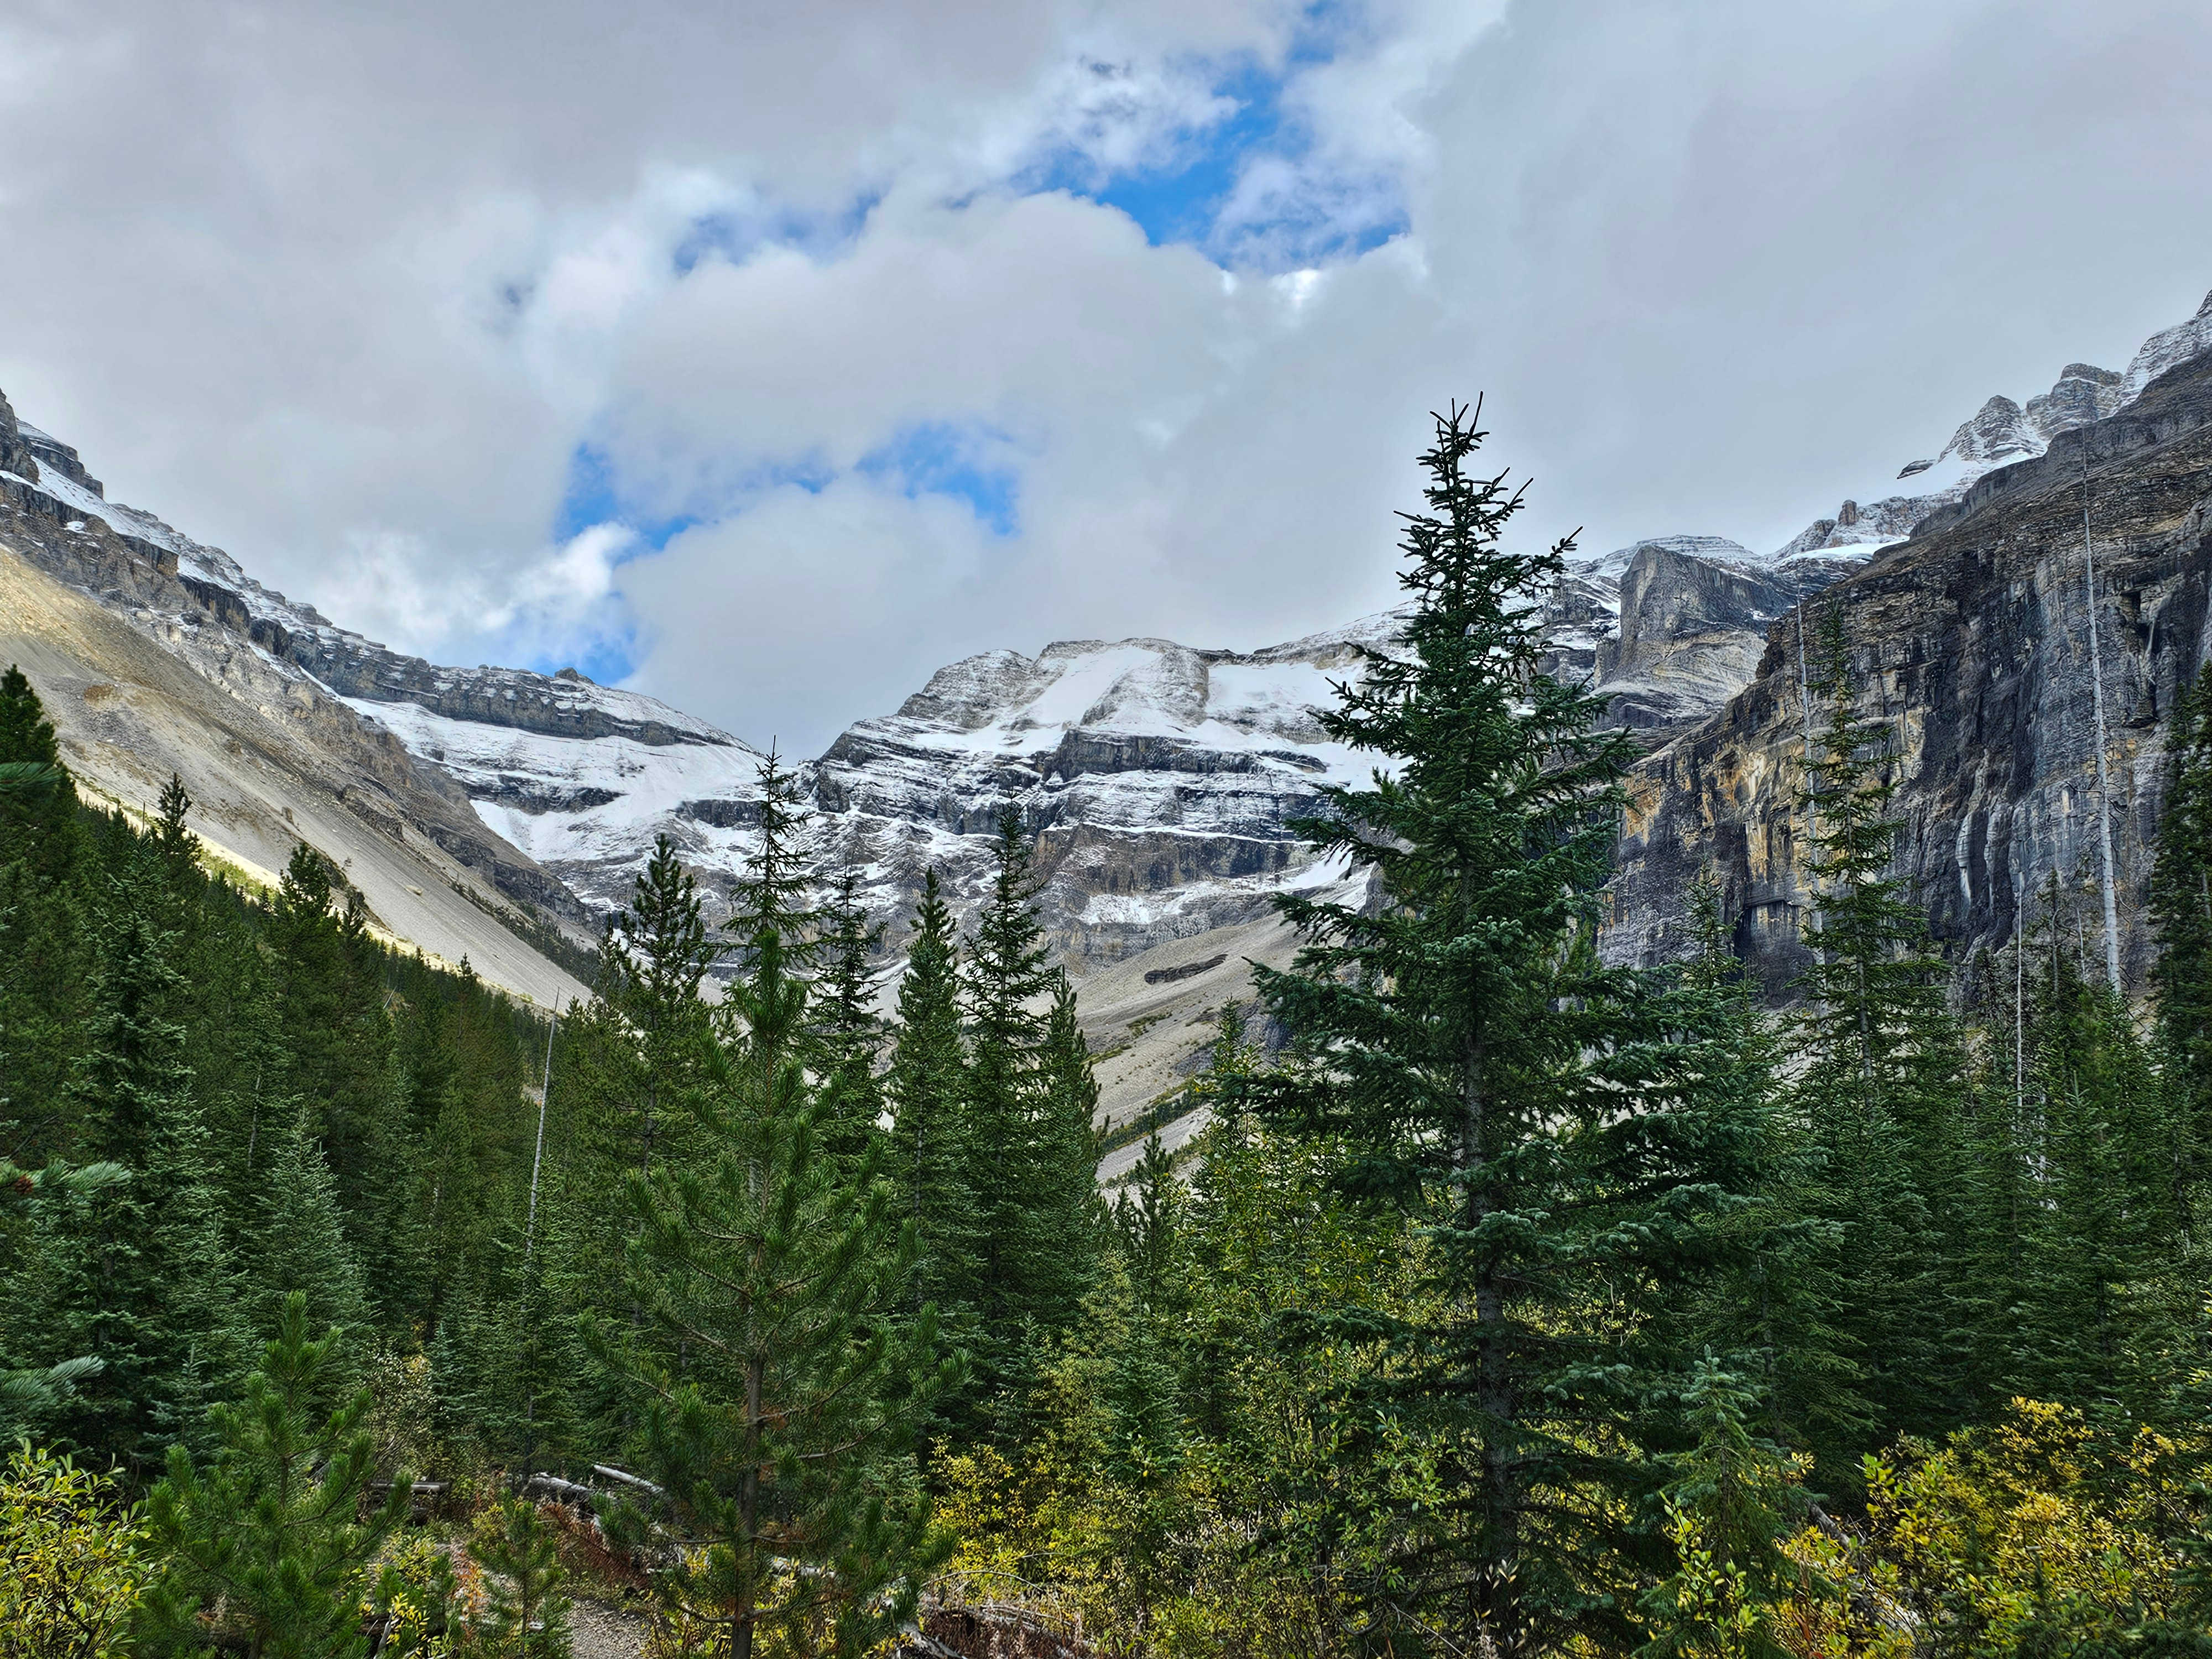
(142, 679)
(1973, 635)
(1162, 779)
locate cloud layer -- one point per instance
(772, 356)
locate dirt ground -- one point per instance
(604, 1633)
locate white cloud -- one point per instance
(344, 288)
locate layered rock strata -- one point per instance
(1972, 640)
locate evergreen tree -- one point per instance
(300, 1247)
(268, 1541)
(1146, 1217)
(42, 987)
(1063, 1213)
(529, 1610)
(1881, 1096)
(847, 1028)
(2099, 1162)
(1006, 973)
(1569, 1138)
(333, 1023)
(653, 963)
(30, 1396)
(782, 1455)
(174, 844)
(932, 1156)
(37, 813)
(1732, 1500)
(135, 1271)
(2181, 918)
(776, 895)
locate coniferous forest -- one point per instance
(1512, 1302)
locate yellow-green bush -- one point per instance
(2040, 1524)
(70, 1570)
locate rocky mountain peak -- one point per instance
(2001, 433)
(1997, 431)
(2170, 347)
(15, 455)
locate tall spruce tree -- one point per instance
(2181, 918)
(335, 1026)
(174, 844)
(1569, 1140)
(41, 941)
(777, 894)
(847, 1027)
(300, 1249)
(37, 816)
(2099, 1154)
(1006, 973)
(1065, 1216)
(135, 1273)
(931, 1157)
(781, 1446)
(1882, 1096)
(653, 962)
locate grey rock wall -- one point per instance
(1970, 638)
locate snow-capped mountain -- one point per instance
(1999, 434)
(1161, 778)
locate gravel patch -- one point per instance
(601, 1631)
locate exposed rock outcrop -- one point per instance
(1692, 627)
(15, 456)
(1972, 638)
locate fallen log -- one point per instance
(624, 1478)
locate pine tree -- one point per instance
(849, 1033)
(931, 1157)
(1566, 1138)
(1005, 972)
(1882, 1095)
(781, 1457)
(2181, 918)
(268, 1540)
(37, 815)
(529, 1610)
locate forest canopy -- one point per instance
(1509, 1301)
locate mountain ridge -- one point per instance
(1161, 779)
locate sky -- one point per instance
(766, 358)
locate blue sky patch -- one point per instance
(594, 495)
(737, 237)
(944, 458)
(1181, 199)
(608, 661)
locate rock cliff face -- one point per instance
(1162, 779)
(1692, 623)
(1972, 638)
(15, 456)
(1998, 434)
